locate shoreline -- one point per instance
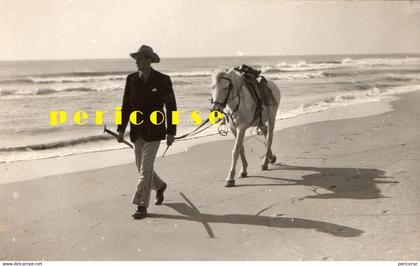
(16, 171)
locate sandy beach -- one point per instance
(345, 187)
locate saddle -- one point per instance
(258, 87)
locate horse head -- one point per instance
(224, 87)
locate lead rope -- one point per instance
(196, 130)
(192, 133)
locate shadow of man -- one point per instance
(191, 213)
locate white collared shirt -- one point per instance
(142, 76)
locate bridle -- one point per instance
(227, 95)
(224, 103)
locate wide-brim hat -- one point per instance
(146, 51)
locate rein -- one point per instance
(195, 131)
(192, 133)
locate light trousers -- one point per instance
(145, 153)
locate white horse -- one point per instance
(229, 95)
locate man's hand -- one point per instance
(170, 139)
(120, 136)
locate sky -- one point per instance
(74, 29)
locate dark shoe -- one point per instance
(140, 213)
(159, 195)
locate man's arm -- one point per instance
(126, 109)
(170, 106)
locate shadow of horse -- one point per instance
(341, 183)
(191, 213)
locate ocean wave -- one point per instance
(202, 93)
(39, 80)
(330, 74)
(271, 70)
(56, 144)
(296, 76)
(76, 79)
(88, 77)
(180, 82)
(85, 74)
(328, 62)
(302, 66)
(190, 74)
(386, 80)
(70, 77)
(17, 81)
(401, 77)
(7, 92)
(33, 131)
(37, 91)
(49, 91)
(357, 97)
(78, 89)
(381, 61)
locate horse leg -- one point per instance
(244, 172)
(264, 130)
(230, 180)
(272, 121)
(269, 156)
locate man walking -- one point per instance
(147, 91)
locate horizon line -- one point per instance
(219, 56)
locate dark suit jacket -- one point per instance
(148, 97)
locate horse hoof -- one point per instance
(230, 183)
(264, 167)
(244, 174)
(273, 159)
